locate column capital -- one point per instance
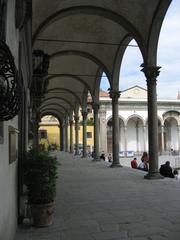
(95, 107)
(150, 72)
(71, 122)
(84, 114)
(76, 118)
(114, 94)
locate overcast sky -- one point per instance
(168, 82)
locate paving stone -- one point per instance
(111, 235)
(95, 202)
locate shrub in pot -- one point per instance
(40, 175)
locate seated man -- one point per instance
(166, 170)
(102, 156)
(134, 163)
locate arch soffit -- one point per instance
(135, 116)
(92, 10)
(172, 118)
(171, 115)
(60, 98)
(155, 31)
(55, 111)
(56, 115)
(54, 104)
(67, 90)
(159, 120)
(85, 55)
(118, 60)
(120, 117)
(73, 77)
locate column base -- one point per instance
(115, 165)
(154, 176)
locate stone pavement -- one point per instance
(96, 202)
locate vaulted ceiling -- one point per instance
(86, 38)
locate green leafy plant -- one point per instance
(40, 175)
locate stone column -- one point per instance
(103, 131)
(35, 117)
(76, 119)
(178, 139)
(84, 115)
(162, 139)
(66, 135)
(96, 132)
(114, 95)
(125, 139)
(71, 136)
(64, 138)
(61, 138)
(137, 137)
(151, 73)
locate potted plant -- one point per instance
(40, 174)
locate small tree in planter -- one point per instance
(40, 174)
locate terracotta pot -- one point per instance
(42, 214)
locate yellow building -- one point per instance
(49, 133)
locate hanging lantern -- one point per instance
(9, 87)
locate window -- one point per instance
(43, 133)
(89, 134)
(1, 132)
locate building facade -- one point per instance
(133, 123)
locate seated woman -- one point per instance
(142, 166)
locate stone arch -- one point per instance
(171, 133)
(85, 55)
(118, 60)
(109, 132)
(52, 112)
(135, 116)
(54, 104)
(154, 34)
(60, 98)
(92, 10)
(172, 114)
(53, 137)
(67, 90)
(135, 134)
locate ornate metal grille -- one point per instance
(9, 87)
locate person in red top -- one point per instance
(134, 163)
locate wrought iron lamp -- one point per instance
(9, 87)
